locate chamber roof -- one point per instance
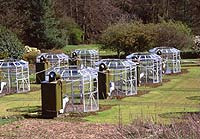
(52, 56)
(144, 56)
(164, 50)
(117, 63)
(8, 63)
(86, 52)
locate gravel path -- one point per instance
(52, 129)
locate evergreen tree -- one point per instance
(43, 32)
(10, 45)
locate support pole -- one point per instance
(40, 70)
(103, 81)
(52, 97)
(138, 74)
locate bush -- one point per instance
(133, 37)
(30, 57)
(44, 31)
(127, 37)
(173, 34)
(190, 54)
(54, 51)
(10, 45)
(73, 31)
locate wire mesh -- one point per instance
(171, 59)
(122, 76)
(53, 60)
(82, 87)
(60, 59)
(14, 76)
(150, 67)
(88, 58)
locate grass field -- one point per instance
(13, 106)
(69, 48)
(161, 103)
(179, 95)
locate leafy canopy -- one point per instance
(10, 45)
(138, 37)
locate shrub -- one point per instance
(44, 31)
(73, 31)
(174, 34)
(54, 51)
(133, 37)
(10, 45)
(190, 54)
(127, 37)
(30, 57)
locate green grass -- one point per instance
(190, 62)
(7, 120)
(69, 48)
(10, 102)
(171, 100)
(171, 97)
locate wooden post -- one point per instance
(52, 97)
(40, 70)
(103, 81)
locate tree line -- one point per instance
(53, 23)
(94, 16)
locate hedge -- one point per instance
(190, 54)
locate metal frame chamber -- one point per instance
(87, 58)
(149, 67)
(15, 76)
(53, 61)
(122, 76)
(171, 59)
(57, 60)
(81, 89)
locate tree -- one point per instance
(72, 30)
(14, 15)
(173, 34)
(127, 38)
(138, 37)
(93, 16)
(10, 45)
(44, 32)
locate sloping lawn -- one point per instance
(161, 103)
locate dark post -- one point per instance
(51, 93)
(74, 61)
(103, 81)
(40, 70)
(138, 74)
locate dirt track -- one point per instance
(39, 129)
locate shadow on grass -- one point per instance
(10, 119)
(26, 112)
(26, 109)
(193, 98)
(178, 115)
(34, 112)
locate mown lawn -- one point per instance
(180, 94)
(160, 104)
(69, 48)
(11, 102)
(12, 107)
